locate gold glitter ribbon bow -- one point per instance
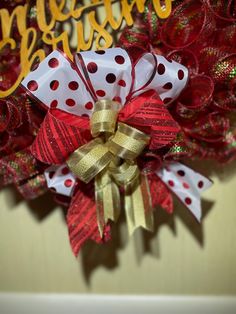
(110, 158)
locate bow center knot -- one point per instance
(112, 141)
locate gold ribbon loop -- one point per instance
(88, 160)
(128, 142)
(104, 117)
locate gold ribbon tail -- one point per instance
(138, 207)
(107, 197)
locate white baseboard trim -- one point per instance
(26, 303)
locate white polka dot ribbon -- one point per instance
(60, 180)
(60, 83)
(186, 184)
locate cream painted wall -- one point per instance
(182, 257)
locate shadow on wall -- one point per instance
(93, 255)
(106, 255)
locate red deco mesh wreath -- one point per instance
(202, 36)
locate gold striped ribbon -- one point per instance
(110, 159)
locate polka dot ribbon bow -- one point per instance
(103, 102)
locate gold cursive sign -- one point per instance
(88, 28)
